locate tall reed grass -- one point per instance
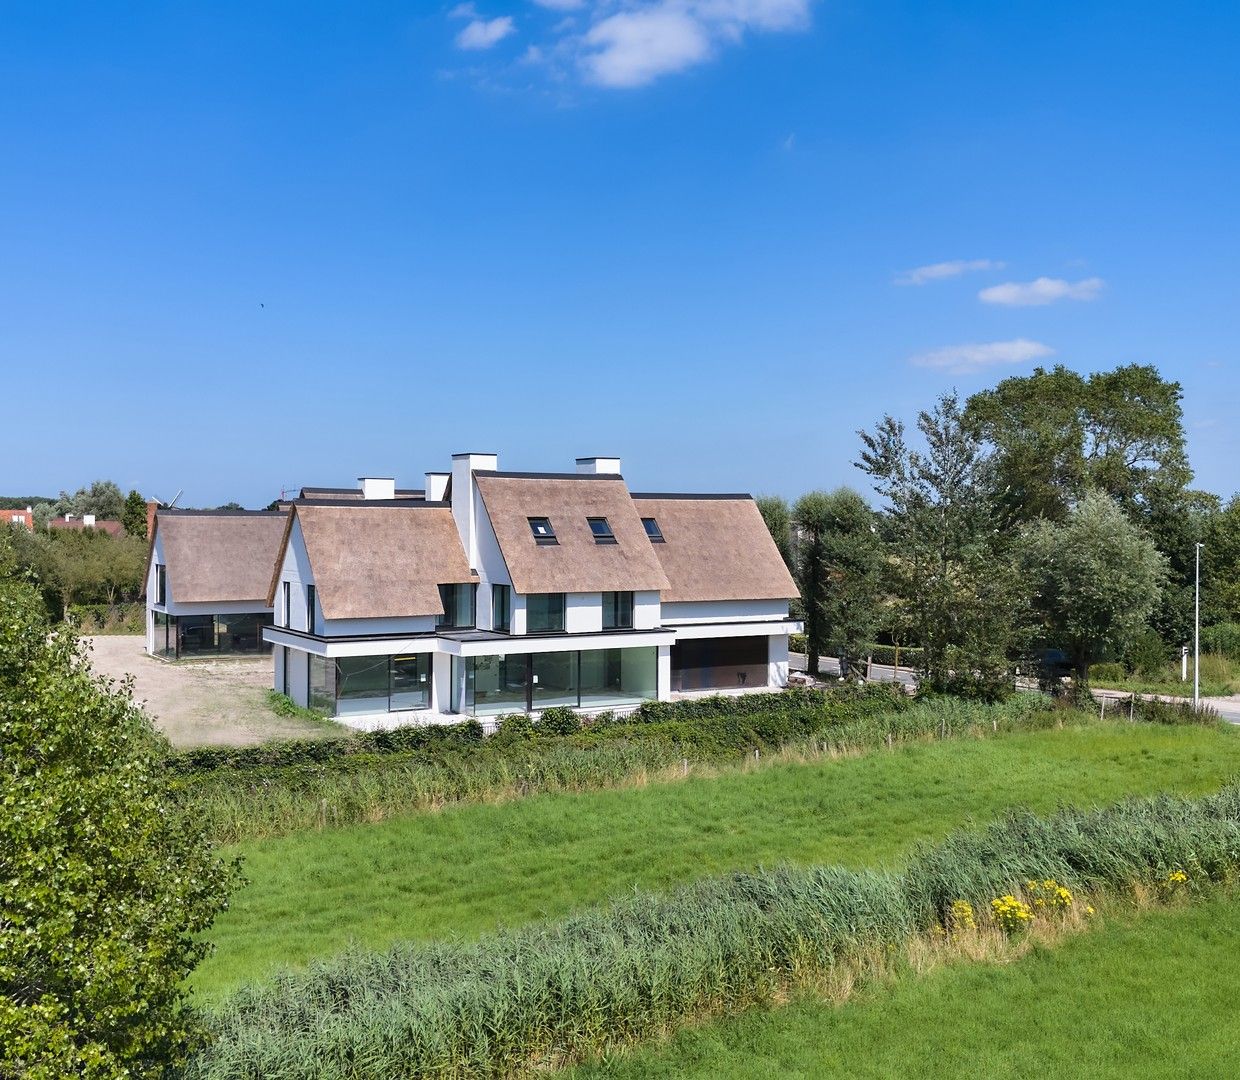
(545, 994)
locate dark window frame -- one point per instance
(506, 592)
(606, 536)
(161, 584)
(310, 598)
(615, 610)
(288, 605)
(653, 532)
(543, 530)
(447, 621)
(563, 605)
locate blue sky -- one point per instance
(253, 246)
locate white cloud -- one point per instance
(633, 48)
(484, 33)
(922, 275)
(1044, 290)
(790, 141)
(962, 359)
(561, 5)
(463, 11)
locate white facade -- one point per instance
(445, 665)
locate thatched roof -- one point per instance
(378, 560)
(218, 555)
(576, 563)
(716, 548)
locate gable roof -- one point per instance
(576, 563)
(716, 547)
(378, 559)
(217, 555)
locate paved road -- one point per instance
(830, 666)
(1228, 708)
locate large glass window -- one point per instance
(161, 584)
(165, 643)
(411, 682)
(195, 634)
(458, 606)
(720, 663)
(618, 676)
(553, 679)
(544, 613)
(497, 684)
(595, 679)
(241, 633)
(617, 611)
(322, 684)
(287, 606)
(501, 608)
(361, 684)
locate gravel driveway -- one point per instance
(201, 702)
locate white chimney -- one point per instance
(599, 466)
(465, 498)
(88, 521)
(436, 485)
(377, 487)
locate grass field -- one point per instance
(1149, 996)
(473, 868)
(1220, 677)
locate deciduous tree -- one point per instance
(778, 517)
(1096, 579)
(105, 890)
(947, 565)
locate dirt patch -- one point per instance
(201, 702)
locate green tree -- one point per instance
(1057, 435)
(133, 517)
(947, 567)
(105, 890)
(839, 556)
(103, 498)
(1220, 565)
(1096, 579)
(231, 506)
(778, 517)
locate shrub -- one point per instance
(1147, 654)
(1108, 672)
(533, 997)
(105, 889)
(558, 720)
(1223, 638)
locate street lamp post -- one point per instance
(1197, 630)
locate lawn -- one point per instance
(1144, 996)
(473, 868)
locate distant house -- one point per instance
(20, 517)
(207, 579)
(498, 592)
(87, 521)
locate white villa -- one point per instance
(493, 592)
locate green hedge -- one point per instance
(528, 998)
(764, 710)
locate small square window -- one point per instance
(601, 528)
(653, 531)
(542, 530)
